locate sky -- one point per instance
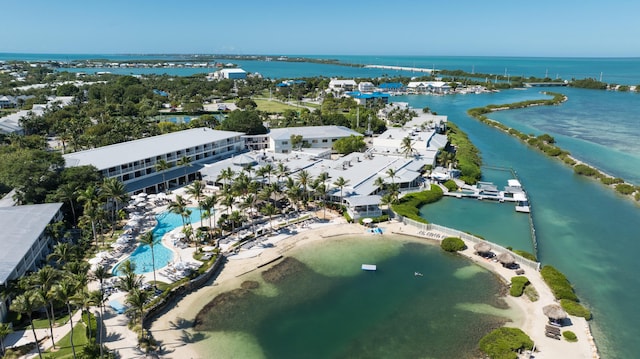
(546, 28)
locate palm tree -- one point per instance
(86, 301)
(228, 201)
(68, 192)
(62, 253)
(208, 205)
(101, 273)
(304, 178)
(379, 182)
(147, 238)
(196, 191)
(406, 146)
(269, 210)
(184, 162)
(65, 291)
(128, 280)
(225, 176)
(281, 170)
(137, 298)
(163, 166)
(341, 183)
(236, 218)
(178, 207)
(321, 191)
(27, 303)
(45, 278)
(267, 171)
(90, 198)
(5, 329)
(392, 174)
(114, 191)
(97, 298)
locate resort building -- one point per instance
(312, 137)
(426, 134)
(435, 87)
(136, 163)
(342, 85)
(230, 73)
(368, 99)
(25, 241)
(11, 123)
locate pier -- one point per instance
(401, 68)
(545, 84)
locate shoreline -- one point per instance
(170, 328)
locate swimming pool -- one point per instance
(142, 257)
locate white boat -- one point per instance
(369, 267)
(522, 204)
(417, 274)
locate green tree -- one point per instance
(137, 299)
(65, 291)
(27, 303)
(196, 191)
(163, 166)
(296, 141)
(147, 238)
(248, 122)
(5, 329)
(341, 183)
(115, 193)
(185, 162)
(406, 146)
(349, 144)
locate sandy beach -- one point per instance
(173, 329)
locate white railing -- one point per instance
(450, 232)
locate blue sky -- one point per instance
(578, 28)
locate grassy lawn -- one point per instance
(273, 106)
(44, 322)
(64, 345)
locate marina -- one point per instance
(513, 193)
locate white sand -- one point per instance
(172, 328)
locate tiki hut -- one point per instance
(507, 259)
(482, 247)
(554, 312)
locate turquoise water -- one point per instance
(611, 70)
(329, 308)
(142, 257)
(584, 229)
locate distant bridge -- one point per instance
(545, 84)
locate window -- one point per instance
(314, 141)
(285, 142)
(325, 140)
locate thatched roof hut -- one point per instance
(554, 312)
(506, 258)
(482, 247)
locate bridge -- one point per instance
(545, 84)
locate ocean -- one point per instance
(583, 228)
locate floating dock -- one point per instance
(369, 267)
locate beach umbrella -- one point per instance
(506, 258)
(482, 247)
(554, 312)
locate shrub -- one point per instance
(451, 185)
(575, 308)
(518, 284)
(531, 293)
(409, 205)
(383, 218)
(94, 324)
(625, 188)
(570, 336)
(611, 180)
(558, 283)
(452, 244)
(504, 343)
(584, 170)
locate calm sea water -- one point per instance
(327, 307)
(583, 228)
(611, 70)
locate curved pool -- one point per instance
(141, 256)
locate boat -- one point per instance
(369, 267)
(522, 204)
(417, 274)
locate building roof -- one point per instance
(367, 95)
(21, 227)
(391, 85)
(131, 151)
(233, 71)
(308, 132)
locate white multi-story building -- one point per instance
(25, 241)
(312, 137)
(135, 162)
